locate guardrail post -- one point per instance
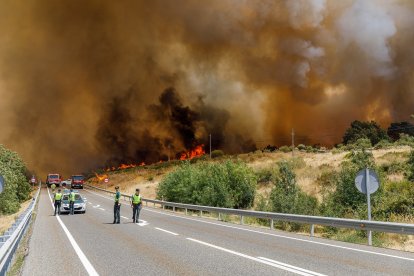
(186, 211)
(201, 213)
(241, 219)
(173, 208)
(163, 206)
(271, 224)
(219, 216)
(312, 230)
(154, 204)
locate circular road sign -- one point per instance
(373, 182)
(106, 180)
(1, 183)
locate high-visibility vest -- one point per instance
(136, 199)
(58, 196)
(117, 196)
(72, 196)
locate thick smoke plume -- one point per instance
(91, 83)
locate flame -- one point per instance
(196, 152)
(101, 177)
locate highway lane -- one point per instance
(173, 244)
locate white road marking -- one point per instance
(276, 235)
(166, 231)
(290, 266)
(286, 237)
(88, 266)
(101, 209)
(124, 217)
(142, 222)
(279, 265)
(96, 206)
(89, 202)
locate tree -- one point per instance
(395, 130)
(370, 130)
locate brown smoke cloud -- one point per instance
(89, 83)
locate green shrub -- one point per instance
(383, 144)
(360, 144)
(17, 188)
(226, 184)
(287, 197)
(217, 153)
(301, 147)
(410, 165)
(368, 130)
(285, 149)
(264, 175)
(405, 140)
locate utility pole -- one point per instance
(169, 152)
(210, 145)
(293, 142)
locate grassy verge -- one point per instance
(23, 249)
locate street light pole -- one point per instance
(210, 145)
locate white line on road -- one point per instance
(288, 265)
(88, 266)
(166, 231)
(276, 235)
(101, 209)
(279, 265)
(286, 237)
(124, 217)
(96, 206)
(142, 222)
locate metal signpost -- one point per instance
(1, 183)
(367, 182)
(106, 180)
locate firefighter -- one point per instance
(136, 206)
(117, 206)
(57, 201)
(71, 202)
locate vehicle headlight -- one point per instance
(65, 205)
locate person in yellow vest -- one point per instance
(117, 206)
(136, 206)
(57, 199)
(71, 202)
(53, 186)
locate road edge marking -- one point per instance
(84, 260)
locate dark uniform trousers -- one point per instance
(136, 208)
(57, 206)
(117, 213)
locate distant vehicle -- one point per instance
(53, 178)
(77, 181)
(79, 206)
(66, 182)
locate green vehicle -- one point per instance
(79, 206)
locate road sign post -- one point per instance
(367, 182)
(106, 180)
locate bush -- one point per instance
(360, 144)
(285, 149)
(301, 147)
(368, 130)
(410, 165)
(17, 188)
(217, 153)
(264, 175)
(405, 140)
(383, 144)
(287, 197)
(226, 184)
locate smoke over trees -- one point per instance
(88, 83)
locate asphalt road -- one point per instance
(166, 243)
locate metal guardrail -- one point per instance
(377, 226)
(10, 240)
